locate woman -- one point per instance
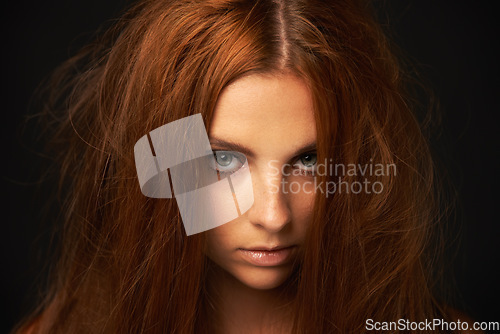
(294, 88)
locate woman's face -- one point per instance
(271, 119)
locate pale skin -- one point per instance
(271, 117)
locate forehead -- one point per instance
(264, 112)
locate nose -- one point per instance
(270, 210)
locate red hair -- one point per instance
(126, 264)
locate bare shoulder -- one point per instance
(37, 323)
(29, 327)
(458, 316)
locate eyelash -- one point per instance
(242, 159)
(234, 156)
(305, 171)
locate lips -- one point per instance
(268, 257)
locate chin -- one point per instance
(263, 278)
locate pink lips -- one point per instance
(268, 257)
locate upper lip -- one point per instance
(267, 248)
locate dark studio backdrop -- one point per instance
(455, 43)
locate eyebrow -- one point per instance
(224, 145)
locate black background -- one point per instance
(455, 42)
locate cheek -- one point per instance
(302, 205)
(219, 243)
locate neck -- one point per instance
(238, 308)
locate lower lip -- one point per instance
(266, 258)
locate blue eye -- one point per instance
(307, 163)
(228, 161)
(224, 158)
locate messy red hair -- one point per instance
(126, 264)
